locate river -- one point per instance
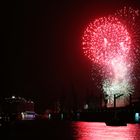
(67, 130)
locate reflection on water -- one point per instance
(67, 130)
(99, 131)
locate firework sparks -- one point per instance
(108, 43)
(104, 39)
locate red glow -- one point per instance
(99, 131)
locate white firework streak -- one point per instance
(118, 81)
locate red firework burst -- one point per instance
(106, 38)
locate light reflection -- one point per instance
(99, 131)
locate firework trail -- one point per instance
(109, 42)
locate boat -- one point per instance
(116, 122)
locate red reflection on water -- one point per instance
(99, 131)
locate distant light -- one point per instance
(137, 117)
(49, 116)
(86, 106)
(62, 116)
(27, 115)
(13, 97)
(22, 115)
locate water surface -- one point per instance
(66, 130)
(99, 131)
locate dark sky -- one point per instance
(43, 56)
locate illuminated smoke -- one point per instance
(109, 43)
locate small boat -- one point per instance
(116, 122)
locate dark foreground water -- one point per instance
(62, 130)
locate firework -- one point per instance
(109, 43)
(106, 38)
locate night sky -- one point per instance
(43, 57)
